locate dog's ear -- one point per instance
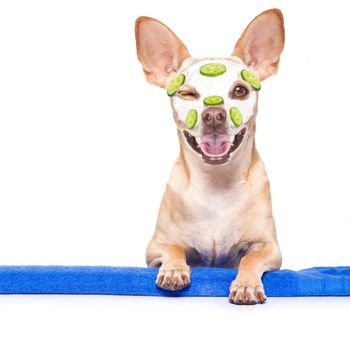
(261, 44)
(159, 50)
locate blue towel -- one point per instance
(209, 282)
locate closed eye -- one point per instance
(188, 93)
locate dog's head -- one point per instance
(214, 101)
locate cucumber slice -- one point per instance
(175, 84)
(213, 100)
(251, 79)
(236, 116)
(213, 69)
(191, 118)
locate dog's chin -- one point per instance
(215, 149)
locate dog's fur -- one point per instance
(215, 214)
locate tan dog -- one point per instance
(216, 210)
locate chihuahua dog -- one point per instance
(216, 210)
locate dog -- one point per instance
(216, 210)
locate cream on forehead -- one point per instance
(214, 86)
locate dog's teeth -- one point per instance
(231, 139)
(198, 140)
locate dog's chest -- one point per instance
(216, 230)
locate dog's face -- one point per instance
(214, 101)
(213, 105)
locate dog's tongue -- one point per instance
(215, 146)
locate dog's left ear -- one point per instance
(261, 44)
(159, 50)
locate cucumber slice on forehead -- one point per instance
(236, 116)
(191, 118)
(213, 100)
(251, 79)
(175, 84)
(213, 69)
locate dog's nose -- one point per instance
(214, 116)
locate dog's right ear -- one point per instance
(159, 50)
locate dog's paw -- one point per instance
(174, 277)
(247, 293)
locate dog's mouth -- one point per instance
(215, 148)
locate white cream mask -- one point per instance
(214, 84)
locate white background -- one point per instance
(86, 147)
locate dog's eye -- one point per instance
(188, 93)
(239, 91)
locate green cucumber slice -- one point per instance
(236, 116)
(175, 84)
(191, 118)
(251, 79)
(213, 69)
(213, 100)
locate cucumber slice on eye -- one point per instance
(236, 116)
(251, 79)
(191, 118)
(175, 84)
(213, 100)
(213, 69)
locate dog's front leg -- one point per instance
(247, 288)
(174, 273)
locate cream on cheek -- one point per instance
(246, 107)
(214, 86)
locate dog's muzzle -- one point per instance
(215, 148)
